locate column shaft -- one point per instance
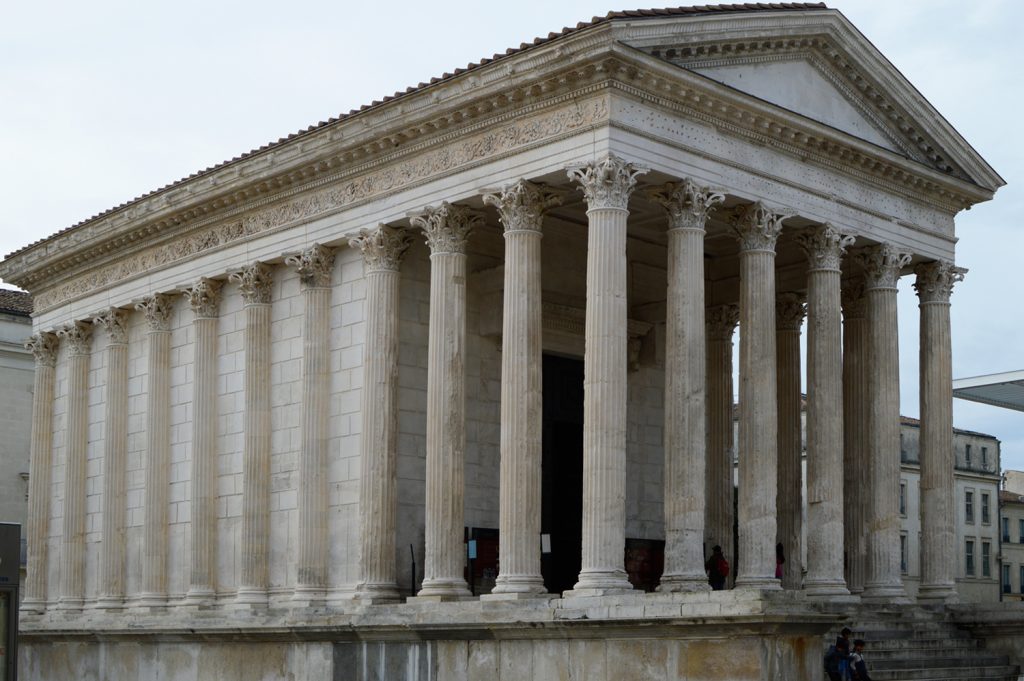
(720, 512)
(789, 312)
(44, 347)
(855, 429)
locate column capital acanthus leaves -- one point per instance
(757, 227)
(687, 204)
(607, 183)
(43, 347)
(78, 337)
(115, 322)
(314, 266)
(935, 280)
(382, 247)
(522, 205)
(447, 227)
(721, 321)
(254, 283)
(204, 298)
(882, 264)
(853, 301)
(790, 310)
(157, 309)
(824, 246)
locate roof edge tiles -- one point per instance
(631, 15)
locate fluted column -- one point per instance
(685, 438)
(855, 433)
(78, 338)
(157, 309)
(789, 317)
(447, 228)
(204, 299)
(115, 439)
(254, 284)
(882, 265)
(721, 324)
(314, 266)
(607, 185)
(521, 208)
(824, 247)
(757, 229)
(383, 249)
(939, 552)
(43, 347)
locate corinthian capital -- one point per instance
(687, 204)
(78, 336)
(43, 347)
(521, 206)
(790, 311)
(382, 247)
(935, 280)
(115, 322)
(853, 300)
(824, 246)
(204, 298)
(721, 321)
(882, 265)
(254, 283)
(607, 183)
(447, 227)
(157, 308)
(756, 227)
(314, 266)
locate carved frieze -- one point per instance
(824, 246)
(204, 298)
(77, 336)
(882, 264)
(756, 227)
(157, 309)
(721, 321)
(935, 280)
(790, 310)
(687, 204)
(314, 266)
(608, 182)
(521, 206)
(447, 227)
(382, 247)
(43, 347)
(115, 322)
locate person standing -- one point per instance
(858, 667)
(718, 568)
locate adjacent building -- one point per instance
(1011, 510)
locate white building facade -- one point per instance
(263, 393)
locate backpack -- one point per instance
(722, 567)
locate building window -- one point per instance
(903, 553)
(968, 506)
(1021, 533)
(1006, 529)
(984, 509)
(903, 499)
(1007, 588)
(967, 455)
(1022, 579)
(986, 559)
(984, 457)
(969, 558)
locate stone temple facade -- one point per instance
(502, 305)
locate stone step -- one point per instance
(925, 645)
(933, 662)
(1000, 672)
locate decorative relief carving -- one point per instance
(721, 321)
(935, 280)
(314, 266)
(607, 183)
(254, 283)
(77, 336)
(824, 246)
(790, 311)
(688, 205)
(447, 227)
(757, 227)
(442, 159)
(115, 322)
(157, 308)
(204, 298)
(853, 300)
(382, 247)
(882, 265)
(521, 206)
(43, 347)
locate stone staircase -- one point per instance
(926, 648)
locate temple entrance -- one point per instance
(562, 490)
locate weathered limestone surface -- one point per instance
(938, 505)
(721, 324)
(789, 317)
(855, 433)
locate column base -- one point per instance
(34, 606)
(451, 589)
(683, 584)
(600, 583)
(937, 594)
(764, 583)
(373, 593)
(826, 588)
(109, 603)
(522, 585)
(70, 604)
(884, 593)
(249, 597)
(306, 596)
(200, 596)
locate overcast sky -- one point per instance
(102, 101)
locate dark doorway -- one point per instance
(562, 491)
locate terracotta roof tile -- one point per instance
(15, 302)
(611, 16)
